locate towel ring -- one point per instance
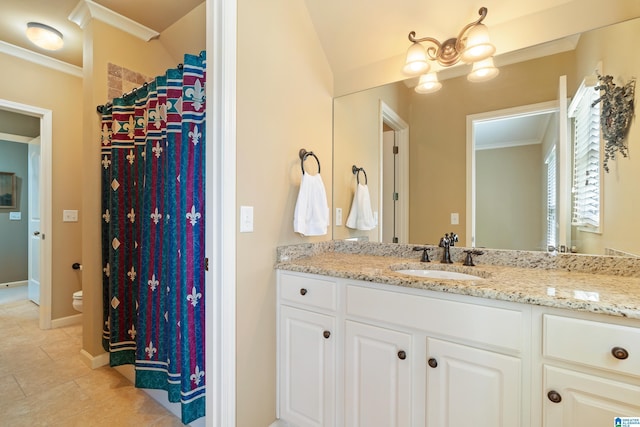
(303, 156)
(356, 171)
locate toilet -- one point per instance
(77, 301)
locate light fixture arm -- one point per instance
(448, 52)
(483, 14)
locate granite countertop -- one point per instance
(616, 295)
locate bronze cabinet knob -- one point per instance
(619, 353)
(432, 362)
(326, 334)
(303, 291)
(402, 355)
(554, 396)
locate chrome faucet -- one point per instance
(446, 242)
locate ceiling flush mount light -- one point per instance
(44, 36)
(472, 46)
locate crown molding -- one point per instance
(40, 59)
(86, 10)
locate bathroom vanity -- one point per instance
(360, 344)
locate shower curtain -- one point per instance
(153, 179)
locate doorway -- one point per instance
(40, 217)
(506, 189)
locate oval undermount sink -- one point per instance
(439, 274)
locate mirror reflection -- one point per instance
(427, 188)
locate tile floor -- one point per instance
(44, 382)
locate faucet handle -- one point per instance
(453, 238)
(425, 253)
(468, 261)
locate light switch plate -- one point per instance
(15, 216)
(69, 215)
(338, 217)
(246, 219)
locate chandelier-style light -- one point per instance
(472, 46)
(44, 36)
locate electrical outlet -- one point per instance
(69, 216)
(455, 218)
(338, 217)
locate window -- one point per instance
(552, 232)
(586, 159)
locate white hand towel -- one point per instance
(361, 215)
(311, 215)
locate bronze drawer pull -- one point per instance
(303, 291)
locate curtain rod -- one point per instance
(103, 107)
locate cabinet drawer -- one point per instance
(308, 291)
(592, 343)
(481, 324)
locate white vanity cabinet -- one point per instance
(384, 339)
(590, 370)
(361, 354)
(306, 350)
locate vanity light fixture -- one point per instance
(44, 36)
(471, 46)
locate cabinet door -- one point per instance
(377, 376)
(471, 387)
(307, 368)
(586, 400)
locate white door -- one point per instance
(34, 221)
(377, 376)
(307, 368)
(471, 387)
(574, 399)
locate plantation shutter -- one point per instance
(552, 234)
(586, 158)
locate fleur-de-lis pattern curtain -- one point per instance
(153, 179)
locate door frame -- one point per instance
(472, 119)
(46, 155)
(401, 133)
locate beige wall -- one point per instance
(615, 47)
(357, 142)
(105, 44)
(31, 84)
(437, 162)
(509, 199)
(283, 104)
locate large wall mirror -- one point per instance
(423, 191)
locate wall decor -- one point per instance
(7, 190)
(616, 113)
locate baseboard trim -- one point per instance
(14, 284)
(94, 362)
(76, 319)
